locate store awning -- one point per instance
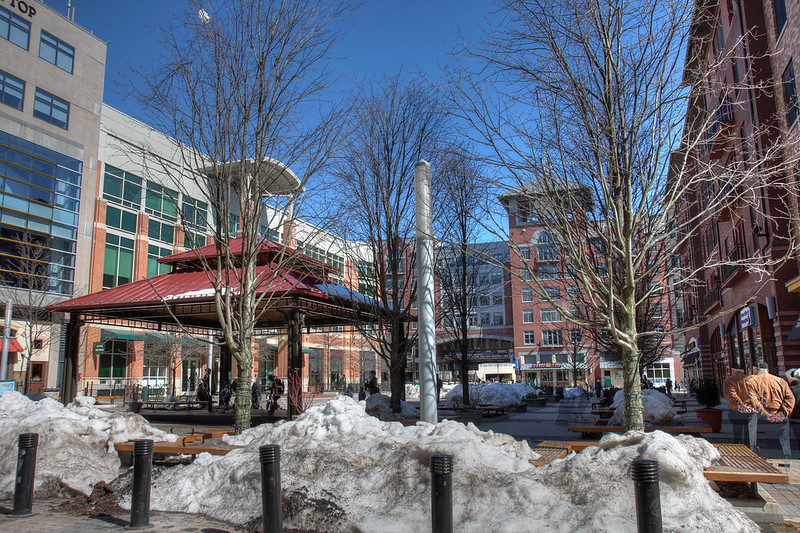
(690, 359)
(121, 334)
(15, 346)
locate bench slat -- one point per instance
(178, 448)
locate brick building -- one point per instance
(740, 67)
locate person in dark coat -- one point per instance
(372, 383)
(793, 377)
(256, 389)
(598, 388)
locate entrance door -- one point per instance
(36, 377)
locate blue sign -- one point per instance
(7, 385)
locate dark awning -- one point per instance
(690, 359)
(795, 333)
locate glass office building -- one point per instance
(39, 201)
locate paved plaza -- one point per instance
(535, 425)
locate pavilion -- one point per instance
(296, 291)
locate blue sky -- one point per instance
(386, 35)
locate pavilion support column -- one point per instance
(295, 375)
(69, 387)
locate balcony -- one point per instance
(712, 298)
(720, 133)
(732, 272)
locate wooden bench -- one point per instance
(125, 449)
(200, 434)
(112, 398)
(608, 412)
(496, 409)
(186, 404)
(737, 462)
(590, 426)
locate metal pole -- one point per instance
(270, 457)
(647, 495)
(6, 337)
(426, 328)
(26, 468)
(441, 493)
(140, 497)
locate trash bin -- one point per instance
(145, 394)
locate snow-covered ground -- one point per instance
(344, 470)
(658, 408)
(76, 442)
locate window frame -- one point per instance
(789, 82)
(5, 77)
(53, 102)
(60, 48)
(22, 25)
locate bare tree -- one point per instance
(462, 267)
(583, 105)
(242, 89)
(26, 282)
(395, 124)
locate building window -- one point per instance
(524, 214)
(12, 90)
(195, 214)
(161, 202)
(51, 108)
(575, 336)
(572, 291)
(112, 363)
(553, 292)
(119, 219)
(525, 274)
(552, 337)
(548, 272)
(160, 231)
(719, 40)
(122, 187)
(780, 16)
(498, 319)
(530, 337)
(118, 262)
(546, 248)
(602, 270)
(496, 278)
(656, 310)
(486, 319)
(14, 28)
(527, 295)
(525, 252)
(790, 93)
(485, 300)
(56, 51)
(497, 299)
(154, 268)
(550, 315)
(527, 316)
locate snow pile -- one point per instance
(489, 394)
(575, 392)
(658, 408)
(76, 442)
(379, 406)
(343, 470)
(412, 390)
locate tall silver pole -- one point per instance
(6, 337)
(426, 328)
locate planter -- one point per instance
(712, 417)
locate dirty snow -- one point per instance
(342, 467)
(76, 442)
(379, 406)
(489, 394)
(658, 408)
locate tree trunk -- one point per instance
(634, 414)
(397, 381)
(464, 382)
(243, 399)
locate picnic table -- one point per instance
(589, 427)
(125, 449)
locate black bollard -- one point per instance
(647, 495)
(441, 493)
(142, 470)
(26, 468)
(270, 457)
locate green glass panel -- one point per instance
(128, 222)
(152, 267)
(167, 233)
(125, 271)
(126, 243)
(153, 229)
(110, 262)
(132, 193)
(112, 217)
(118, 366)
(112, 186)
(104, 366)
(170, 208)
